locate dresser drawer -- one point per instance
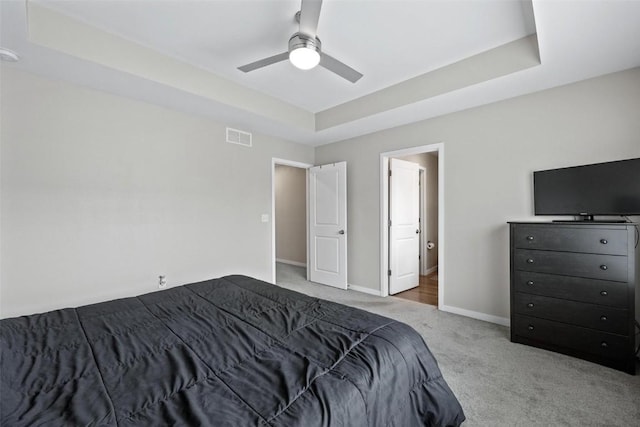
(603, 318)
(605, 267)
(575, 338)
(601, 292)
(572, 239)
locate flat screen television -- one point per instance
(611, 188)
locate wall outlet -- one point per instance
(162, 282)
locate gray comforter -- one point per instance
(233, 351)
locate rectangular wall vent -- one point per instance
(236, 136)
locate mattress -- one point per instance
(233, 351)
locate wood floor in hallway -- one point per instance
(426, 292)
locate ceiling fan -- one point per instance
(305, 48)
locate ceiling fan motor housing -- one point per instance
(301, 40)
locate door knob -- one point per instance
(418, 231)
(341, 232)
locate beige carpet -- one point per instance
(497, 382)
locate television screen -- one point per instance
(611, 188)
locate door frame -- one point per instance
(384, 215)
(284, 162)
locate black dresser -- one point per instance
(574, 289)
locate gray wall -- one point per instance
(101, 194)
(291, 214)
(490, 153)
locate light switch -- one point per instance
(265, 218)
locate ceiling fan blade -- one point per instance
(341, 69)
(264, 62)
(309, 16)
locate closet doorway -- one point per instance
(290, 214)
(323, 252)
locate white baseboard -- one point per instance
(364, 290)
(476, 315)
(431, 270)
(296, 263)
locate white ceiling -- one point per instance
(389, 41)
(376, 37)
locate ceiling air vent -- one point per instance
(239, 137)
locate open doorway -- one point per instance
(325, 222)
(429, 159)
(426, 283)
(289, 213)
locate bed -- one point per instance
(232, 351)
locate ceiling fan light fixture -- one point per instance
(304, 51)
(304, 58)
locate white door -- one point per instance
(328, 224)
(404, 227)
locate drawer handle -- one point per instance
(530, 327)
(530, 305)
(530, 238)
(603, 267)
(604, 241)
(529, 260)
(603, 318)
(530, 283)
(604, 344)
(604, 293)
